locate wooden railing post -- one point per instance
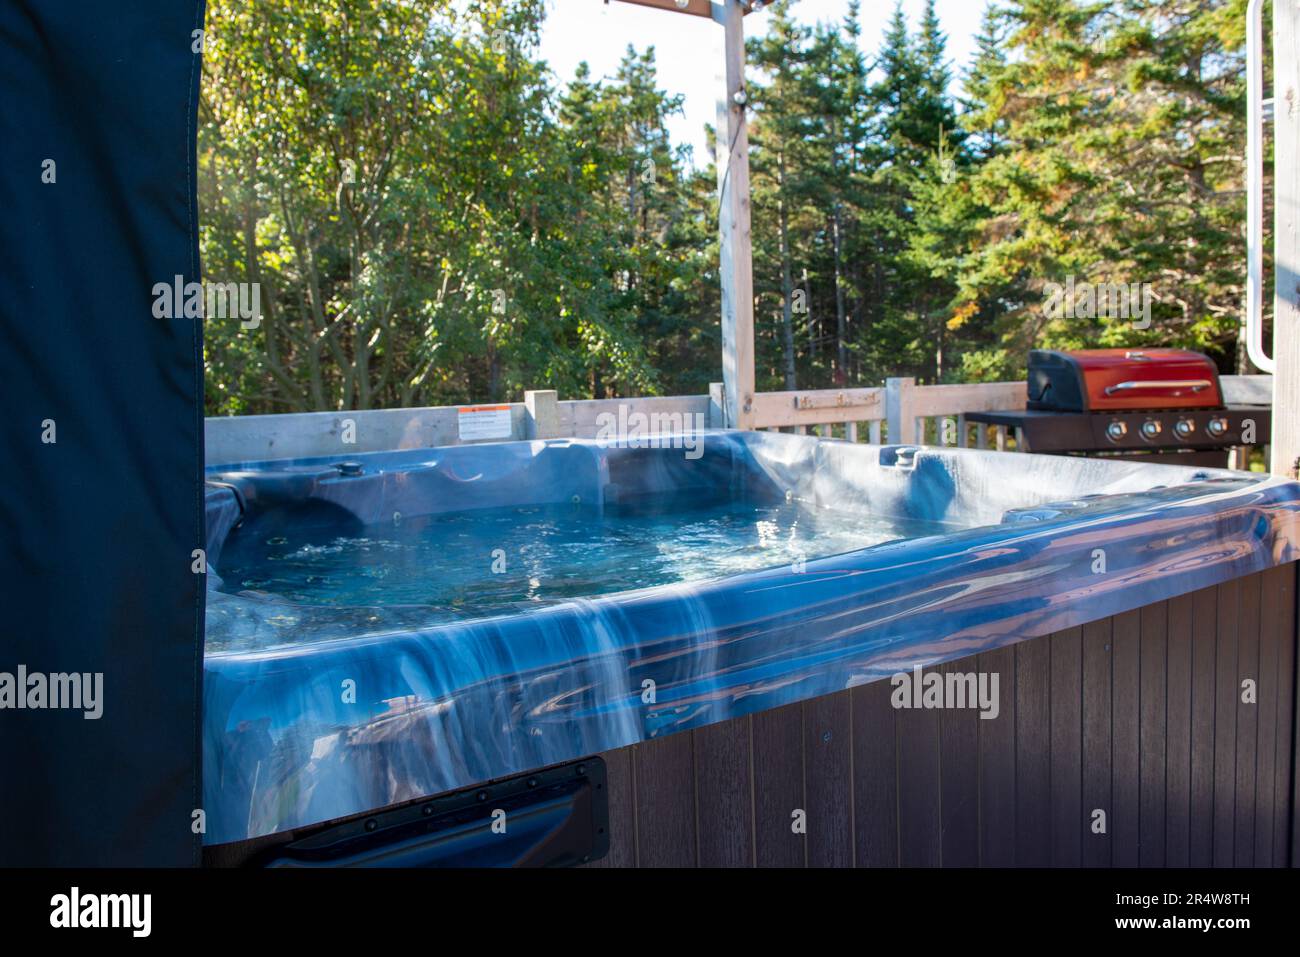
(717, 405)
(898, 409)
(542, 414)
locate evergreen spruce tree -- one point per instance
(781, 136)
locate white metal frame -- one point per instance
(1255, 187)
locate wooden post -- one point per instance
(898, 408)
(717, 405)
(542, 418)
(1285, 459)
(737, 269)
(1286, 238)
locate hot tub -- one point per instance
(386, 626)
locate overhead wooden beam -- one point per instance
(1286, 237)
(698, 8)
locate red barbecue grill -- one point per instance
(1154, 404)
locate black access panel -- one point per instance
(101, 443)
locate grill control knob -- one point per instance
(1217, 427)
(1150, 429)
(1116, 431)
(1185, 428)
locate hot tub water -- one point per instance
(474, 563)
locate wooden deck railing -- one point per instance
(900, 413)
(909, 414)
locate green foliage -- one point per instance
(433, 218)
(1117, 134)
(426, 225)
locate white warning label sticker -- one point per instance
(476, 422)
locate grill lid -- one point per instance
(1107, 380)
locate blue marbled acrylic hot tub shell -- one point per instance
(444, 705)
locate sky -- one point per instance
(688, 50)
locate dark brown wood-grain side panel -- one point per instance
(664, 770)
(875, 778)
(1033, 753)
(1153, 650)
(959, 770)
(778, 786)
(919, 780)
(1225, 725)
(997, 765)
(1178, 736)
(1269, 709)
(1248, 705)
(1286, 779)
(1138, 720)
(724, 795)
(620, 789)
(1124, 818)
(828, 761)
(1066, 792)
(1205, 617)
(1096, 742)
